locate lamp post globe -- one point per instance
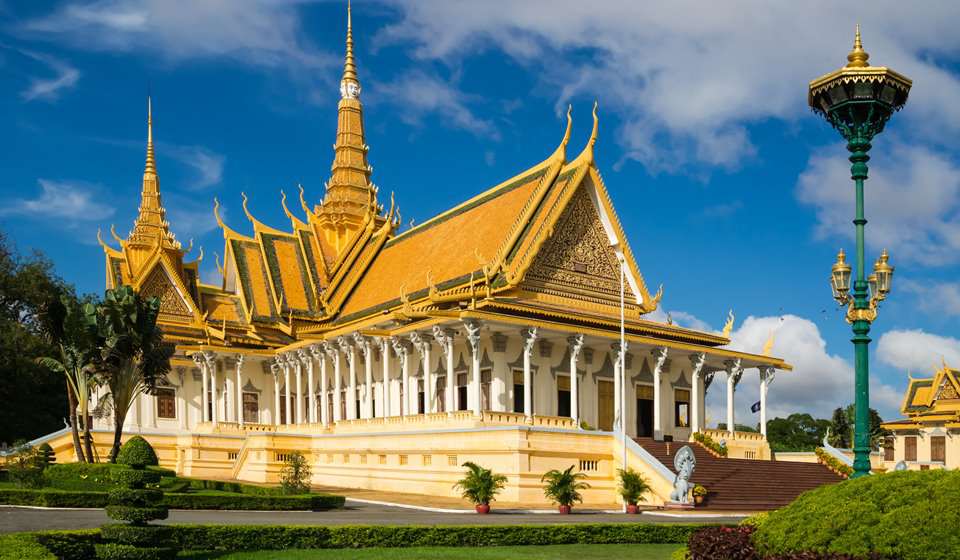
(858, 100)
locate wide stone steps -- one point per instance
(744, 484)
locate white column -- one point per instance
(473, 337)
(734, 371)
(239, 407)
(696, 364)
(385, 381)
(298, 369)
(319, 351)
(337, 387)
(766, 378)
(616, 385)
(660, 356)
(576, 344)
(214, 388)
(400, 348)
(306, 356)
(181, 399)
(350, 354)
(275, 370)
(529, 338)
(444, 338)
(363, 343)
(230, 394)
(150, 409)
(201, 362)
(287, 397)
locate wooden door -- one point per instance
(938, 448)
(910, 448)
(605, 405)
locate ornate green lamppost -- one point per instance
(857, 100)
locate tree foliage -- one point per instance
(34, 398)
(132, 356)
(479, 485)
(797, 432)
(295, 475)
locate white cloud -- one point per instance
(49, 89)
(251, 32)
(688, 76)
(917, 351)
(419, 94)
(679, 318)
(819, 382)
(190, 218)
(72, 201)
(937, 298)
(208, 165)
(913, 198)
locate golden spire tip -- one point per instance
(857, 57)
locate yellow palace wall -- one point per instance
(426, 462)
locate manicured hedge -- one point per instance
(235, 487)
(49, 545)
(910, 515)
(23, 546)
(52, 498)
(137, 451)
(299, 502)
(81, 476)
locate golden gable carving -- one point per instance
(158, 285)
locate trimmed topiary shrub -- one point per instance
(46, 454)
(137, 505)
(909, 515)
(137, 451)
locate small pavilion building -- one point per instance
(928, 436)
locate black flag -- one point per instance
(755, 407)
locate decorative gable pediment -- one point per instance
(578, 259)
(947, 389)
(173, 304)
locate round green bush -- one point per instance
(137, 452)
(115, 551)
(140, 497)
(136, 515)
(911, 515)
(135, 478)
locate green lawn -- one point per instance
(549, 552)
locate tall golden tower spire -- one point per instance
(151, 223)
(350, 196)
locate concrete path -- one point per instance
(14, 519)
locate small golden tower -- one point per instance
(350, 197)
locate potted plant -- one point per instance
(699, 493)
(632, 488)
(563, 487)
(480, 486)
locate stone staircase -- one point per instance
(744, 484)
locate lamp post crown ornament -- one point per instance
(858, 100)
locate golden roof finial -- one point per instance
(151, 166)
(349, 69)
(561, 151)
(857, 57)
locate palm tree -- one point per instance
(632, 487)
(563, 487)
(75, 339)
(133, 357)
(480, 486)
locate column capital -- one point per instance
(472, 327)
(345, 347)
(576, 344)
(239, 360)
(316, 351)
(698, 360)
(420, 341)
(444, 338)
(303, 354)
(400, 347)
(199, 359)
(361, 342)
(734, 371)
(660, 355)
(767, 373)
(529, 335)
(211, 358)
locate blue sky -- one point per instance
(732, 193)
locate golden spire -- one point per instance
(151, 166)
(857, 57)
(349, 196)
(152, 216)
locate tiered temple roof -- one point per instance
(931, 400)
(544, 245)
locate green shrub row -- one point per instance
(710, 443)
(94, 476)
(74, 545)
(99, 499)
(52, 498)
(832, 462)
(235, 487)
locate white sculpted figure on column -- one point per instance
(473, 337)
(529, 338)
(576, 344)
(696, 364)
(422, 343)
(239, 407)
(385, 382)
(444, 338)
(363, 343)
(400, 348)
(767, 373)
(734, 372)
(660, 357)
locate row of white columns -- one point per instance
(210, 396)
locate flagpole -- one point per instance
(623, 373)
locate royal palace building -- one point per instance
(926, 436)
(490, 332)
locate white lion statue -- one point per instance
(683, 462)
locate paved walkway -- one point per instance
(35, 519)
